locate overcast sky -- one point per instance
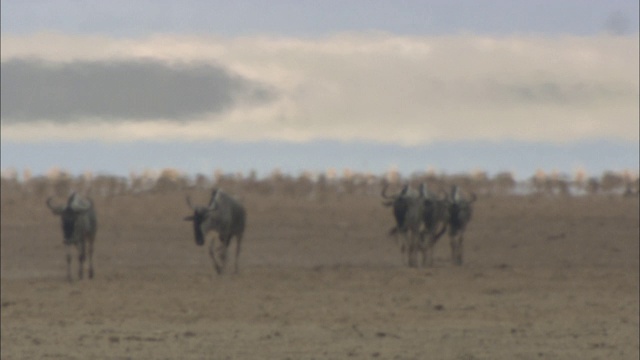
(398, 73)
(296, 18)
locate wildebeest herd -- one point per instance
(421, 217)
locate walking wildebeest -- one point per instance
(224, 215)
(408, 210)
(79, 227)
(435, 220)
(460, 212)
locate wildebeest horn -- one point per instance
(387, 203)
(425, 193)
(215, 195)
(77, 203)
(384, 192)
(55, 209)
(455, 194)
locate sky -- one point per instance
(451, 86)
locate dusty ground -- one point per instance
(544, 278)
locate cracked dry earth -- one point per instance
(543, 278)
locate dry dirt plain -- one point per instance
(543, 278)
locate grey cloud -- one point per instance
(118, 90)
(559, 93)
(617, 23)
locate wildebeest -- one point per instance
(224, 215)
(460, 212)
(79, 227)
(408, 208)
(435, 220)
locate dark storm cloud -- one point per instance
(120, 90)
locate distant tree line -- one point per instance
(313, 185)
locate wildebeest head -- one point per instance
(400, 203)
(434, 206)
(456, 196)
(201, 214)
(70, 214)
(460, 211)
(391, 199)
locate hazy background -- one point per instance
(452, 86)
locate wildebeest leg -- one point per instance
(222, 250)
(422, 248)
(409, 248)
(456, 249)
(420, 251)
(90, 253)
(404, 251)
(69, 263)
(413, 248)
(432, 247)
(405, 248)
(452, 242)
(427, 250)
(238, 246)
(432, 241)
(458, 260)
(81, 256)
(212, 254)
(393, 232)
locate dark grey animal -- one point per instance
(408, 208)
(460, 212)
(224, 215)
(435, 217)
(79, 227)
